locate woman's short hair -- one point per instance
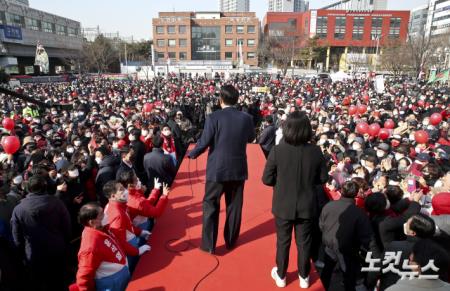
(297, 129)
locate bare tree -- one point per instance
(396, 58)
(420, 47)
(99, 55)
(279, 50)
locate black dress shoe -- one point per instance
(211, 252)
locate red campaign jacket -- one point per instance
(100, 256)
(139, 205)
(120, 225)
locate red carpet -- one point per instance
(247, 267)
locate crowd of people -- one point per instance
(79, 198)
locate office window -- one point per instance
(228, 42)
(228, 55)
(161, 43)
(251, 55)
(339, 30)
(182, 42)
(250, 42)
(228, 28)
(14, 19)
(172, 42)
(47, 27)
(160, 29)
(206, 43)
(322, 27)
(172, 55)
(32, 24)
(251, 29)
(394, 28)
(240, 29)
(60, 29)
(160, 56)
(240, 41)
(72, 31)
(2, 17)
(182, 55)
(182, 29)
(377, 24)
(358, 28)
(171, 29)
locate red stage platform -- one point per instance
(176, 263)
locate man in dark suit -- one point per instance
(158, 165)
(267, 138)
(226, 133)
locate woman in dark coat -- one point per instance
(295, 168)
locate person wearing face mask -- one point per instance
(121, 225)
(102, 262)
(169, 146)
(139, 152)
(357, 145)
(127, 159)
(417, 227)
(107, 166)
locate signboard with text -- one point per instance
(11, 34)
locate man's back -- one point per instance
(226, 133)
(41, 225)
(159, 165)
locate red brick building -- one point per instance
(206, 36)
(346, 34)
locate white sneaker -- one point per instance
(304, 283)
(280, 282)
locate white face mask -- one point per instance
(132, 138)
(98, 160)
(124, 196)
(74, 173)
(380, 154)
(398, 156)
(411, 137)
(144, 133)
(77, 143)
(70, 150)
(105, 220)
(426, 122)
(88, 134)
(356, 147)
(121, 134)
(166, 132)
(54, 112)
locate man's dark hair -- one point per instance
(297, 129)
(268, 119)
(157, 141)
(422, 225)
(110, 188)
(88, 212)
(426, 250)
(37, 185)
(394, 194)
(126, 178)
(375, 203)
(229, 95)
(350, 189)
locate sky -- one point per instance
(134, 17)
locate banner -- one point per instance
(41, 59)
(379, 84)
(439, 77)
(261, 89)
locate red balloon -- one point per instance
(421, 103)
(148, 107)
(298, 101)
(8, 123)
(384, 133)
(362, 109)
(421, 136)
(346, 102)
(11, 144)
(362, 128)
(389, 124)
(435, 118)
(352, 110)
(366, 98)
(374, 129)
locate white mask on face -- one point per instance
(124, 196)
(120, 134)
(77, 143)
(411, 137)
(398, 156)
(166, 132)
(105, 220)
(144, 133)
(98, 160)
(132, 138)
(70, 150)
(74, 173)
(88, 134)
(356, 147)
(380, 154)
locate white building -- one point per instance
(358, 5)
(234, 5)
(288, 5)
(438, 19)
(418, 20)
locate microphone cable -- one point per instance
(188, 242)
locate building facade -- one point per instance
(438, 18)
(418, 20)
(234, 5)
(347, 35)
(22, 28)
(288, 5)
(182, 37)
(358, 5)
